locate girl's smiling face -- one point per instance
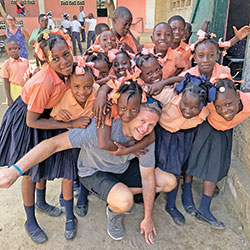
(128, 106)
(206, 55)
(107, 41)
(62, 59)
(162, 37)
(178, 28)
(81, 87)
(151, 71)
(227, 104)
(121, 64)
(190, 105)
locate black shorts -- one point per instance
(100, 183)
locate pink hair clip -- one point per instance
(79, 70)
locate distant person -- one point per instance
(43, 22)
(65, 24)
(15, 71)
(81, 17)
(18, 33)
(76, 27)
(20, 9)
(91, 29)
(51, 24)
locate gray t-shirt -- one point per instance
(92, 159)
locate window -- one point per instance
(177, 4)
(101, 8)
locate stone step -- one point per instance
(237, 194)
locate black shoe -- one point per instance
(82, 210)
(38, 236)
(191, 209)
(71, 234)
(179, 220)
(214, 224)
(50, 210)
(216, 191)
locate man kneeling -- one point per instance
(114, 179)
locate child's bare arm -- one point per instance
(239, 35)
(7, 91)
(177, 72)
(63, 115)
(104, 139)
(156, 88)
(137, 148)
(137, 44)
(99, 107)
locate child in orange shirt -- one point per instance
(181, 116)
(122, 71)
(206, 54)
(26, 122)
(162, 39)
(121, 22)
(77, 102)
(107, 44)
(211, 157)
(15, 71)
(178, 24)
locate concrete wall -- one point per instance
(164, 9)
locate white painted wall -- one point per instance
(41, 7)
(150, 14)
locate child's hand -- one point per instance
(81, 122)
(99, 110)
(154, 89)
(10, 101)
(63, 115)
(140, 152)
(242, 32)
(121, 150)
(125, 46)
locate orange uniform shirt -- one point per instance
(170, 63)
(17, 71)
(43, 91)
(219, 72)
(69, 103)
(171, 117)
(220, 123)
(185, 52)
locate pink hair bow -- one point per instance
(65, 36)
(202, 35)
(96, 72)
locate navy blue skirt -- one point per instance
(172, 149)
(16, 139)
(210, 156)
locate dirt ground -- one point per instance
(92, 233)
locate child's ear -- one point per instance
(238, 95)
(113, 20)
(217, 56)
